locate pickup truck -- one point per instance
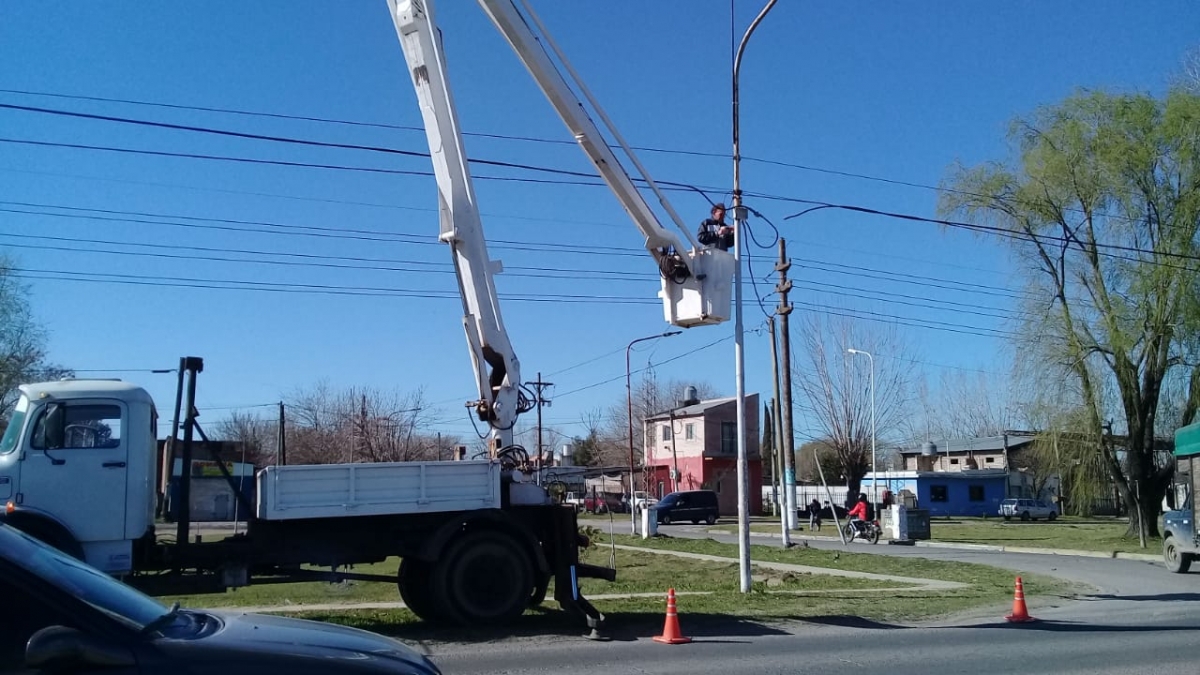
(1180, 542)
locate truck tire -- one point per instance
(484, 577)
(413, 580)
(1176, 561)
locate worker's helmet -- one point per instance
(719, 207)
(862, 496)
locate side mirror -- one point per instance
(54, 427)
(60, 648)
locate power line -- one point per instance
(641, 370)
(232, 284)
(571, 275)
(1004, 232)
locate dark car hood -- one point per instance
(268, 644)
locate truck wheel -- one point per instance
(485, 577)
(1176, 560)
(711, 519)
(1052, 516)
(413, 581)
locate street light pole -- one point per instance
(739, 354)
(874, 471)
(629, 403)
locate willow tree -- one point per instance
(1101, 202)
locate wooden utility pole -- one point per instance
(789, 453)
(538, 388)
(786, 522)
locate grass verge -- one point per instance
(719, 609)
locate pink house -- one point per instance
(694, 447)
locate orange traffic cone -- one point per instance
(1019, 613)
(671, 634)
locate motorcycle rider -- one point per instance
(858, 514)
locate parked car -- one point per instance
(643, 499)
(693, 505)
(1027, 509)
(603, 503)
(61, 615)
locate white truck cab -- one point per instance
(76, 468)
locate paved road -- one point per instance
(1138, 619)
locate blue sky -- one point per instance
(893, 90)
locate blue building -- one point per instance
(945, 493)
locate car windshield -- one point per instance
(86, 583)
(669, 499)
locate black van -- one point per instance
(693, 505)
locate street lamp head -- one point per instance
(851, 351)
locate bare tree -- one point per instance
(258, 436)
(22, 342)
(834, 387)
(357, 425)
(969, 404)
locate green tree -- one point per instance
(22, 342)
(1101, 202)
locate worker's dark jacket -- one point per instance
(708, 234)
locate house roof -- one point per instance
(982, 444)
(693, 410)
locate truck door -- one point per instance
(75, 467)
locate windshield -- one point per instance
(669, 499)
(12, 433)
(86, 583)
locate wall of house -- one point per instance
(660, 449)
(717, 474)
(955, 461)
(727, 414)
(958, 498)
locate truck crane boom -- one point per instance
(696, 282)
(497, 370)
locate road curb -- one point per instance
(990, 548)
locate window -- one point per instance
(666, 432)
(689, 431)
(12, 434)
(728, 438)
(989, 460)
(954, 461)
(84, 426)
(975, 493)
(939, 493)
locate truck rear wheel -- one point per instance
(484, 577)
(413, 579)
(1177, 561)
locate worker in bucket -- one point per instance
(714, 231)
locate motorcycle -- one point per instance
(871, 531)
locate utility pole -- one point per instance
(789, 454)
(281, 452)
(538, 388)
(784, 523)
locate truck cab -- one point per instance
(77, 462)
